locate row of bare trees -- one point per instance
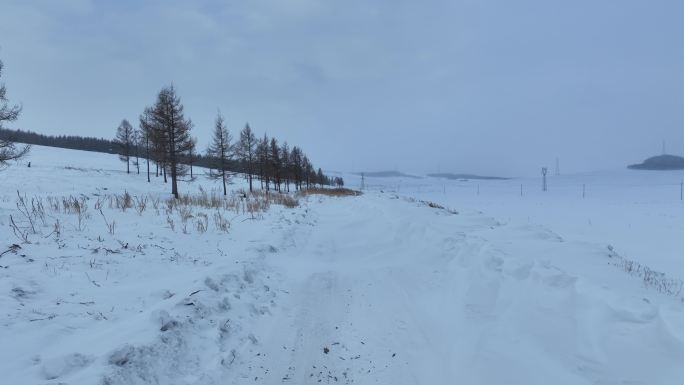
(163, 137)
(275, 165)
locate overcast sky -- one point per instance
(497, 87)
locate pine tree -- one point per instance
(125, 139)
(172, 134)
(221, 150)
(246, 150)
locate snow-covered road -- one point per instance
(381, 290)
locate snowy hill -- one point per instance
(413, 282)
(448, 175)
(386, 174)
(660, 162)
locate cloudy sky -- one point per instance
(488, 86)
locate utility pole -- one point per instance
(544, 171)
(363, 182)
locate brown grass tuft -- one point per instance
(332, 192)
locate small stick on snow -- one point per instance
(93, 282)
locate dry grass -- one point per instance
(650, 278)
(272, 198)
(431, 205)
(332, 192)
(240, 202)
(199, 212)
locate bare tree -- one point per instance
(221, 150)
(192, 154)
(125, 139)
(146, 131)
(8, 113)
(158, 136)
(286, 166)
(262, 161)
(308, 170)
(137, 145)
(274, 162)
(245, 151)
(297, 169)
(320, 178)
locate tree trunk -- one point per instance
(147, 156)
(223, 172)
(173, 162)
(174, 183)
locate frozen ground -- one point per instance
(376, 289)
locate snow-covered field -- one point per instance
(639, 212)
(376, 289)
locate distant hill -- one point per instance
(660, 162)
(387, 174)
(106, 146)
(447, 175)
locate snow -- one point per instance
(381, 288)
(639, 212)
